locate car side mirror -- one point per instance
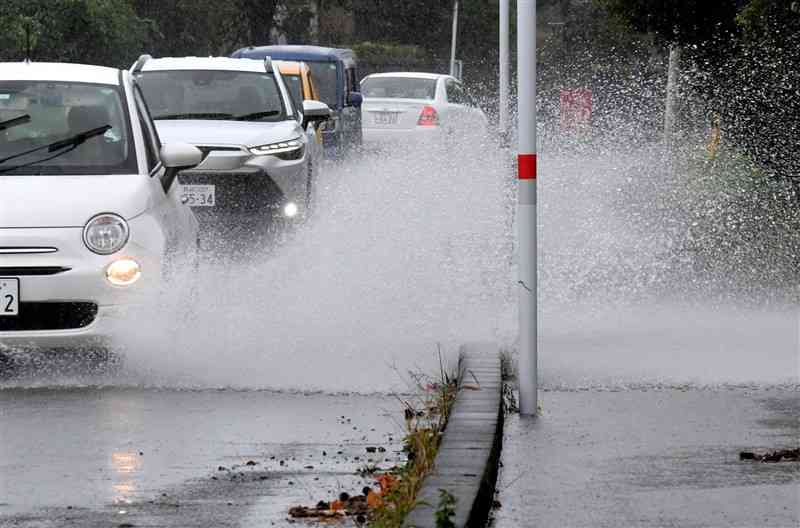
(315, 112)
(355, 99)
(177, 157)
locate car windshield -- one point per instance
(212, 94)
(44, 126)
(399, 87)
(324, 75)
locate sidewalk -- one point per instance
(666, 458)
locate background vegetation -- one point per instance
(739, 81)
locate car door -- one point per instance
(178, 221)
(464, 116)
(455, 114)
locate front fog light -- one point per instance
(290, 210)
(123, 272)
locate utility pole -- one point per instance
(526, 207)
(670, 109)
(504, 69)
(453, 42)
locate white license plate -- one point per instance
(385, 118)
(198, 195)
(9, 296)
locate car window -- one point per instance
(399, 87)
(38, 114)
(295, 86)
(212, 94)
(455, 93)
(325, 79)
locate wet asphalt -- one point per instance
(91, 457)
(651, 458)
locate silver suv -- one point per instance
(238, 112)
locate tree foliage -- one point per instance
(683, 21)
(94, 31)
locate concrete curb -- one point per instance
(466, 464)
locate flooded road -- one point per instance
(106, 456)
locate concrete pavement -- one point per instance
(646, 458)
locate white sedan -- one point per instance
(90, 214)
(417, 106)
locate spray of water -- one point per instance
(648, 278)
(408, 251)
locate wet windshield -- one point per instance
(63, 128)
(399, 87)
(212, 94)
(324, 75)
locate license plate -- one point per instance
(385, 118)
(198, 195)
(9, 296)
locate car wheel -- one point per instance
(7, 366)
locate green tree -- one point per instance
(105, 32)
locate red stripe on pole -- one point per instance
(527, 166)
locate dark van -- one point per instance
(335, 75)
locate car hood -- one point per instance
(70, 201)
(221, 133)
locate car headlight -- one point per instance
(291, 149)
(106, 233)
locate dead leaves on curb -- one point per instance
(358, 506)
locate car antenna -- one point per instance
(268, 63)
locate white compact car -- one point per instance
(90, 220)
(257, 161)
(417, 106)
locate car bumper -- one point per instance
(385, 136)
(77, 306)
(260, 186)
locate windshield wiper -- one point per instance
(257, 115)
(69, 144)
(21, 120)
(198, 115)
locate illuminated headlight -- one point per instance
(286, 150)
(290, 210)
(123, 272)
(106, 234)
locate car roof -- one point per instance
(412, 75)
(58, 71)
(203, 63)
(295, 52)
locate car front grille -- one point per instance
(32, 270)
(250, 191)
(50, 316)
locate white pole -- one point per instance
(504, 66)
(672, 93)
(453, 42)
(526, 206)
